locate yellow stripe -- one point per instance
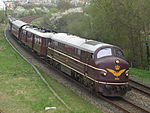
(77, 60)
(87, 76)
(66, 65)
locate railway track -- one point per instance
(140, 87)
(119, 103)
(29, 19)
(122, 105)
(129, 106)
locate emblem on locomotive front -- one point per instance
(116, 73)
(117, 67)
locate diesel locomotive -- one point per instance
(99, 66)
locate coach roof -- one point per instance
(37, 32)
(19, 23)
(80, 43)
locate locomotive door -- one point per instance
(51, 48)
(44, 46)
(19, 33)
(10, 26)
(26, 36)
(83, 58)
(33, 42)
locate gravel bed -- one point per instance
(138, 99)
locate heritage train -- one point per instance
(99, 66)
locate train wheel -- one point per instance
(92, 86)
(85, 82)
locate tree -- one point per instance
(63, 5)
(2, 17)
(124, 23)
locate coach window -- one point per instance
(29, 36)
(55, 43)
(104, 52)
(47, 41)
(61, 46)
(24, 32)
(40, 40)
(50, 42)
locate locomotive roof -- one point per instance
(19, 23)
(37, 31)
(81, 43)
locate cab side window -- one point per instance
(119, 53)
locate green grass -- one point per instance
(22, 90)
(141, 74)
(78, 104)
(38, 21)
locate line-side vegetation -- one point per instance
(124, 23)
(143, 75)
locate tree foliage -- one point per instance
(2, 17)
(63, 5)
(124, 23)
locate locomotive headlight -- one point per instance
(104, 74)
(127, 73)
(117, 61)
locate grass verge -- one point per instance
(38, 21)
(77, 104)
(141, 74)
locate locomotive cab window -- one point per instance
(119, 53)
(104, 52)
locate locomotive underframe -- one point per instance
(113, 90)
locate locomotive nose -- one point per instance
(116, 68)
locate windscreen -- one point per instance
(104, 52)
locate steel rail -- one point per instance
(140, 87)
(136, 106)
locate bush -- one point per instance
(2, 17)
